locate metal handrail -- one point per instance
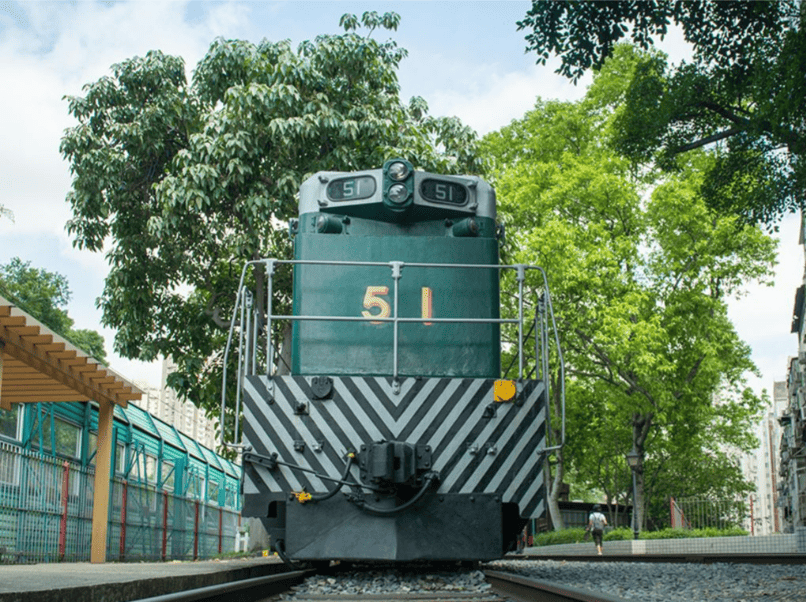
(249, 326)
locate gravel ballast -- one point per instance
(671, 582)
(373, 582)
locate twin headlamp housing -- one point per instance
(398, 184)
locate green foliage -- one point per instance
(694, 533)
(553, 538)
(576, 535)
(620, 534)
(44, 295)
(743, 95)
(640, 270)
(185, 181)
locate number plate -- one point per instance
(442, 191)
(351, 189)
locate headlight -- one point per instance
(398, 194)
(398, 171)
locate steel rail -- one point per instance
(524, 589)
(244, 590)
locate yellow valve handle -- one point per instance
(302, 496)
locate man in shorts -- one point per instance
(596, 524)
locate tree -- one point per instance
(743, 95)
(640, 271)
(186, 181)
(44, 295)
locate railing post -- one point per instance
(521, 276)
(196, 533)
(397, 268)
(63, 521)
(164, 524)
(123, 503)
(269, 309)
(220, 528)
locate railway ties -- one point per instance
(459, 586)
(447, 596)
(496, 586)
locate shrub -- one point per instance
(620, 534)
(576, 535)
(553, 538)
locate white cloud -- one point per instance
(476, 70)
(504, 96)
(51, 50)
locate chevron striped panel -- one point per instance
(471, 452)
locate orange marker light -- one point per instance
(504, 390)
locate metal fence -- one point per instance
(703, 513)
(147, 524)
(46, 515)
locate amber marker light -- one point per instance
(504, 391)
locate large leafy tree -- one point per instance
(743, 94)
(45, 295)
(184, 181)
(640, 269)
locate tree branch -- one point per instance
(708, 140)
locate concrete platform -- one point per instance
(776, 545)
(120, 582)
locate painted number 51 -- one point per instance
(374, 300)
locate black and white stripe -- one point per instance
(472, 454)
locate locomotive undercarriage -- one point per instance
(440, 527)
(432, 470)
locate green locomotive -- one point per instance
(374, 216)
(393, 437)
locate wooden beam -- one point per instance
(45, 398)
(48, 385)
(37, 339)
(103, 466)
(8, 320)
(4, 403)
(86, 368)
(53, 367)
(50, 347)
(26, 331)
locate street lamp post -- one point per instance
(632, 461)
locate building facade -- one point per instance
(762, 466)
(792, 470)
(165, 404)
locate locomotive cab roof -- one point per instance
(397, 192)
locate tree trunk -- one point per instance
(640, 429)
(554, 492)
(284, 361)
(556, 482)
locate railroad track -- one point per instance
(255, 589)
(523, 589)
(504, 587)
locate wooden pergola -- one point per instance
(37, 365)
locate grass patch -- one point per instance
(577, 535)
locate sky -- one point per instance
(465, 59)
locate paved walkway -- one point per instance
(119, 582)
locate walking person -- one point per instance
(596, 524)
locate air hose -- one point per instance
(430, 478)
(326, 496)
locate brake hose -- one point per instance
(429, 478)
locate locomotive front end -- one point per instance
(392, 435)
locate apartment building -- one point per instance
(164, 403)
